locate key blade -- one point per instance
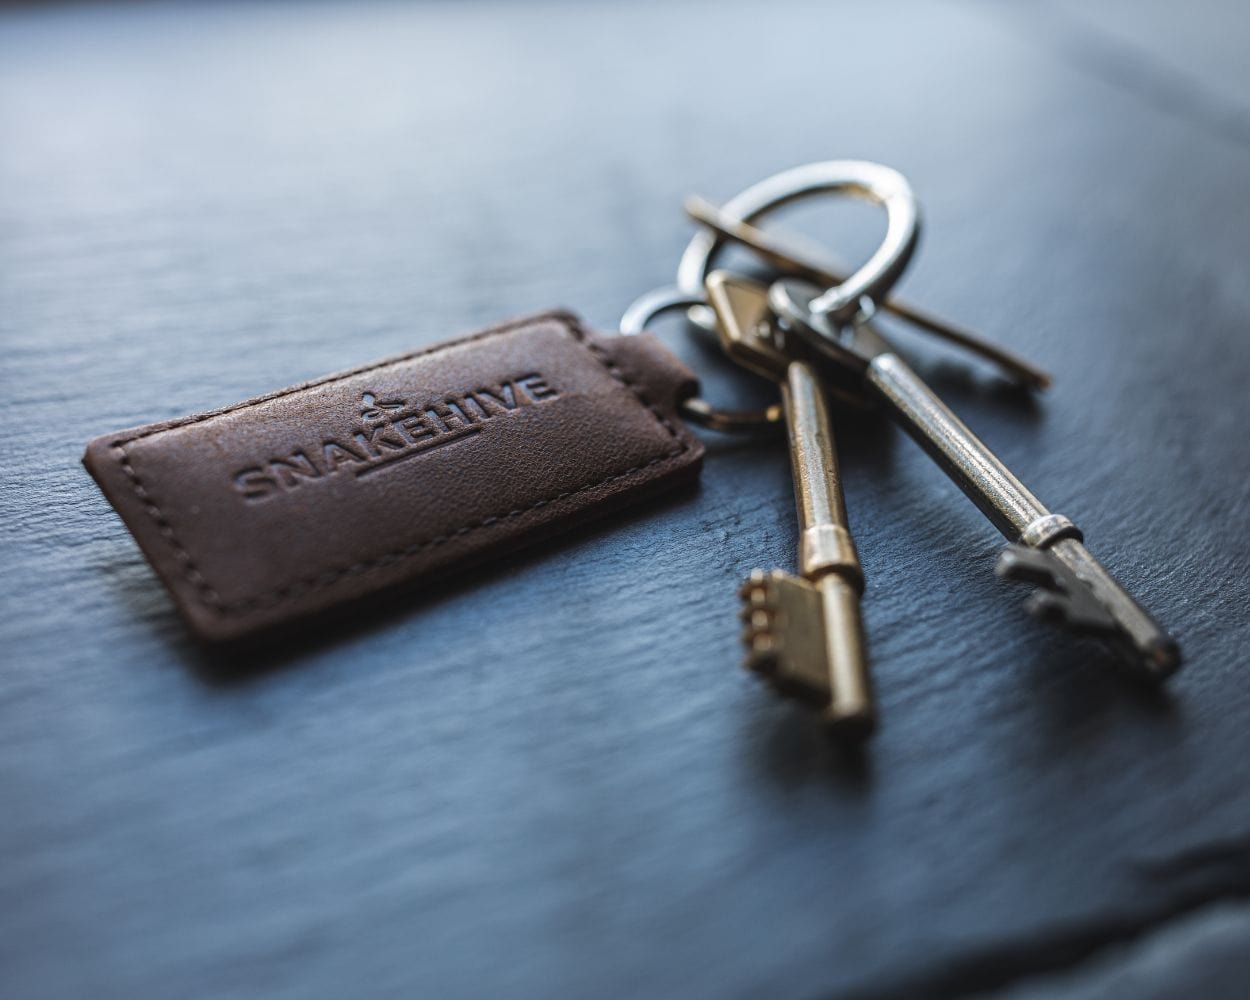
(1061, 597)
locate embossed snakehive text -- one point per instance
(389, 431)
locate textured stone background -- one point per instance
(550, 778)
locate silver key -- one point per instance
(1047, 549)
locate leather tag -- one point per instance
(286, 504)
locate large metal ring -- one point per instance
(826, 310)
(697, 410)
(872, 281)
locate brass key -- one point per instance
(803, 633)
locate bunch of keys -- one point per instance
(810, 330)
(268, 513)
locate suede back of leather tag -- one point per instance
(286, 504)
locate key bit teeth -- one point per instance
(1062, 598)
(756, 630)
(1023, 564)
(786, 635)
(1066, 599)
(757, 619)
(761, 644)
(758, 591)
(1046, 606)
(758, 614)
(753, 584)
(783, 635)
(752, 603)
(762, 652)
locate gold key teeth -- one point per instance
(759, 606)
(756, 603)
(758, 635)
(759, 614)
(750, 604)
(762, 652)
(757, 619)
(760, 645)
(784, 634)
(760, 588)
(753, 584)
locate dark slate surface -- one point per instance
(552, 778)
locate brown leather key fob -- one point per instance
(283, 505)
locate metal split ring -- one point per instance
(877, 183)
(829, 308)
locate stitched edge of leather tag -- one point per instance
(608, 405)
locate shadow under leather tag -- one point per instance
(283, 505)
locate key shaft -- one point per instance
(827, 556)
(977, 471)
